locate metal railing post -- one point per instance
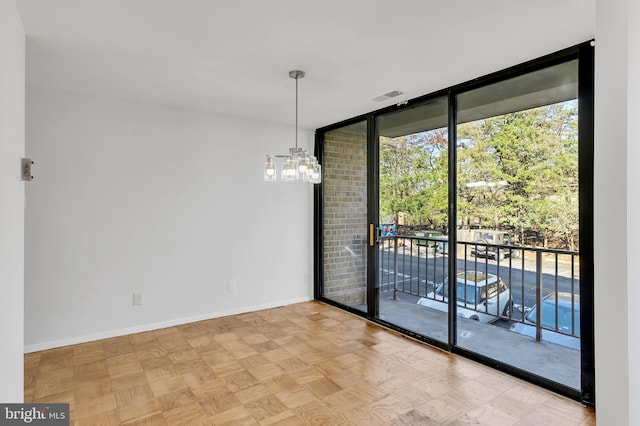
(538, 295)
(395, 268)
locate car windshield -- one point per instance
(468, 293)
(485, 236)
(492, 237)
(564, 317)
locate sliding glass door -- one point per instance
(464, 219)
(413, 192)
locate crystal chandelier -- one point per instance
(298, 165)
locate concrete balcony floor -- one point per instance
(554, 362)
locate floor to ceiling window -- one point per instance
(518, 219)
(464, 219)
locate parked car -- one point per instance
(487, 244)
(442, 244)
(428, 238)
(567, 332)
(482, 297)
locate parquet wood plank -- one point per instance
(302, 364)
(149, 408)
(316, 414)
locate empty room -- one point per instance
(219, 212)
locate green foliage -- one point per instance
(515, 171)
(413, 177)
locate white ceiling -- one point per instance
(232, 57)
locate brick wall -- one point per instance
(345, 217)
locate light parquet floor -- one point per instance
(302, 364)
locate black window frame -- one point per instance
(584, 53)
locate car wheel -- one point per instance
(500, 254)
(515, 254)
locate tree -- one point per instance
(535, 152)
(515, 171)
(413, 177)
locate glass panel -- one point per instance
(413, 195)
(345, 224)
(517, 197)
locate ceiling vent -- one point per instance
(388, 95)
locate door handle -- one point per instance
(372, 235)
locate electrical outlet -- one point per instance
(137, 299)
(232, 286)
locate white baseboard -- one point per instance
(155, 326)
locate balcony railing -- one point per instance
(534, 277)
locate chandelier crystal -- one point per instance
(298, 165)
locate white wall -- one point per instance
(617, 211)
(135, 198)
(633, 210)
(12, 80)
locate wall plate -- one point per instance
(26, 169)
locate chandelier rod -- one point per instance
(296, 112)
(296, 74)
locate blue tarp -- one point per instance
(388, 230)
